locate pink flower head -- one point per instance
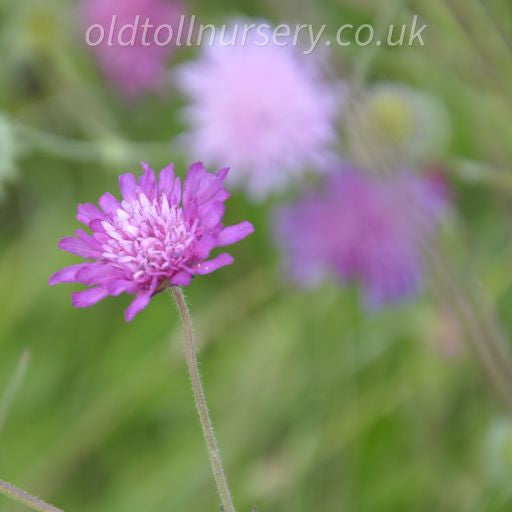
(364, 230)
(133, 59)
(266, 109)
(155, 237)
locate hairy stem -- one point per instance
(25, 498)
(199, 397)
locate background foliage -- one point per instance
(318, 404)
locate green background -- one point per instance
(319, 405)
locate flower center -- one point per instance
(149, 239)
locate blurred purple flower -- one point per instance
(133, 69)
(364, 230)
(155, 237)
(265, 109)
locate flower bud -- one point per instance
(395, 127)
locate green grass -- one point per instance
(319, 405)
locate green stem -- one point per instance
(199, 397)
(7, 400)
(115, 151)
(25, 498)
(384, 19)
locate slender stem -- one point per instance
(7, 400)
(385, 17)
(113, 151)
(199, 397)
(25, 498)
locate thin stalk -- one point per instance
(476, 318)
(112, 151)
(385, 18)
(7, 400)
(25, 498)
(199, 397)
(485, 346)
(482, 173)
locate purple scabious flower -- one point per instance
(363, 230)
(139, 66)
(265, 109)
(156, 236)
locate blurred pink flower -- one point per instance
(364, 230)
(133, 69)
(155, 237)
(265, 109)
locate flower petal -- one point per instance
(78, 247)
(147, 181)
(193, 180)
(88, 212)
(211, 214)
(202, 186)
(176, 193)
(96, 226)
(166, 180)
(128, 187)
(140, 302)
(223, 173)
(204, 246)
(109, 204)
(97, 273)
(233, 234)
(222, 194)
(67, 274)
(206, 267)
(88, 239)
(88, 297)
(118, 286)
(182, 278)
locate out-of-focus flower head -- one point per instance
(137, 68)
(155, 237)
(7, 154)
(362, 229)
(392, 126)
(37, 29)
(266, 109)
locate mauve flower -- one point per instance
(141, 67)
(363, 230)
(266, 110)
(155, 237)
